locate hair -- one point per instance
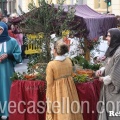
(60, 47)
(95, 58)
(9, 26)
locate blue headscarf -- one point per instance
(4, 36)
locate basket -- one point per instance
(87, 71)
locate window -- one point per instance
(11, 6)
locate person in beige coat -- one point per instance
(62, 99)
(109, 109)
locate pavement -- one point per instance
(22, 67)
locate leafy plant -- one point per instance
(92, 44)
(17, 76)
(81, 78)
(42, 21)
(49, 19)
(94, 66)
(81, 61)
(25, 76)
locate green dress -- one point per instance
(6, 71)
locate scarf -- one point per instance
(60, 58)
(4, 36)
(114, 43)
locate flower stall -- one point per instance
(38, 25)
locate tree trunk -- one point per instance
(87, 51)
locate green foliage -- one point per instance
(31, 6)
(94, 66)
(81, 61)
(26, 76)
(81, 78)
(92, 44)
(48, 19)
(17, 76)
(33, 59)
(35, 65)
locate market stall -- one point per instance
(88, 23)
(95, 24)
(24, 93)
(29, 87)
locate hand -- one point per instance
(3, 56)
(101, 79)
(98, 73)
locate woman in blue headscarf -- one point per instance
(10, 54)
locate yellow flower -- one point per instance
(65, 32)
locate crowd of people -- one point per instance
(15, 32)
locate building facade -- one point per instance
(98, 5)
(101, 6)
(3, 4)
(11, 6)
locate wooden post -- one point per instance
(87, 51)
